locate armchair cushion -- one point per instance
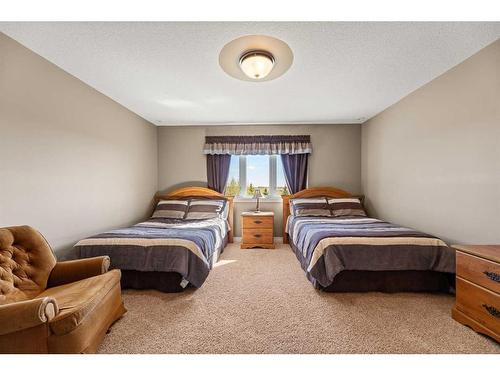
(78, 299)
(75, 270)
(22, 315)
(26, 261)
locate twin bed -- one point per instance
(338, 246)
(175, 248)
(343, 250)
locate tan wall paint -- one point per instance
(432, 160)
(335, 160)
(72, 161)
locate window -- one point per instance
(250, 172)
(233, 181)
(258, 174)
(281, 188)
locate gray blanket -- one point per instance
(167, 245)
(326, 246)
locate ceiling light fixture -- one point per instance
(255, 58)
(257, 64)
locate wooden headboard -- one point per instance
(199, 192)
(330, 192)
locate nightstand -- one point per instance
(477, 302)
(257, 230)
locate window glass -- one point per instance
(281, 188)
(262, 172)
(258, 174)
(233, 181)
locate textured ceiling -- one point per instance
(168, 73)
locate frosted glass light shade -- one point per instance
(231, 55)
(257, 64)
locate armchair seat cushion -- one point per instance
(79, 299)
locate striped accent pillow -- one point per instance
(346, 207)
(171, 209)
(205, 209)
(309, 207)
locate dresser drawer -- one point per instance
(257, 236)
(256, 222)
(479, 304)
(480, 271)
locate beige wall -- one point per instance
(72, 161)
(432, 160)
(335, 160)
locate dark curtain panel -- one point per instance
(218, 171)
(295, 169)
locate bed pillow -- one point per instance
(346, 207)
(309, 207)
(171, 209)
(205, 209)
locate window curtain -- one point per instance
(294, 151)
(218, 171)
(295, 171)
(258, 145)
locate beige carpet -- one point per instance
(259, 301)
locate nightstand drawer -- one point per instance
(257, 222)
(257, 236)
(479, 304)
(479, 271)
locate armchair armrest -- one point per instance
(17, 316)
(75, 270)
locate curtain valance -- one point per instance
(258, 145)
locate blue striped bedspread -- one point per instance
(326, 246)
(189, 248)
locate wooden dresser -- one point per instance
(478, 288)
(257, 230)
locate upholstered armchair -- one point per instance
(53, 307)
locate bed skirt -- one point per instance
(392, 282)
(167, 282)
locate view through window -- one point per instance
(262, 172)
(258, 174)
(281, 188)
(233, 181)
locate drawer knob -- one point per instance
(492, 310)
(257, 222)
(257, 235)
(493, 276)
